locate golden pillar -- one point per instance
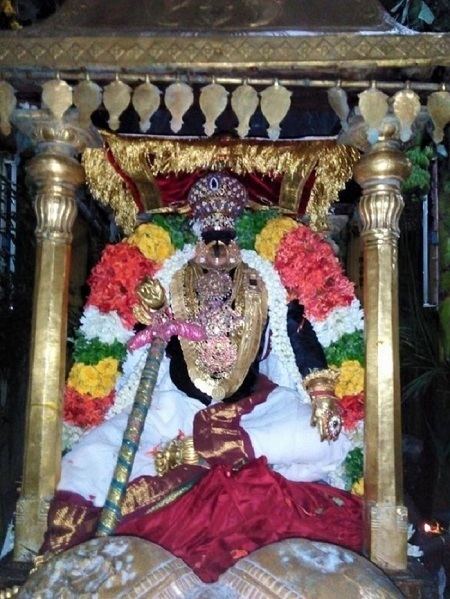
(56, 174)
(380, 173)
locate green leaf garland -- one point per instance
(354, 466)
(91, 351)
(178, 228)
(349, 347)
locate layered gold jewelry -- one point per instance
(237, 313)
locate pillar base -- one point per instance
(388, 536)
(31, 521)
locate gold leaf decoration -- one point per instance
(373, 105)
(406, 105)
(178, 98)
(57, 97)
(439, 110)
(87, 97)
(213, 101)
(275, 104)
(146, 101)
(116, 98)
(244, 102)
(144, 158)
(338, 100)
(7, 105)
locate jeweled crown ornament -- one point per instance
(216, 201)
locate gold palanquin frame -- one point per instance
(348, 54)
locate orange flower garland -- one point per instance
(312, 274)
(114, 279)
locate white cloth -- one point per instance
(279, 429)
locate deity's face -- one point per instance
(218, 250)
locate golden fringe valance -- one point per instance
(141, 159)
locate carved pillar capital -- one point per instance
(380, 172)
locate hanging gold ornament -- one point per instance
(178, 98)
(213, 101)
(373, 105)
(7, 104)
(244, 102)
(87, 97)
(116, 98)
(146, 101)
(275, 104)
(57, 97)
(338, 100)
(439, 110)
(406, 105)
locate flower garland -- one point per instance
(249, 224)
(277, 302)
(153, 241)
(268, 241)
(312, 273)
(114, 279)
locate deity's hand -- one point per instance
(326, 413)
(151, 298)
(326, 416)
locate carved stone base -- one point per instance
(388, 536)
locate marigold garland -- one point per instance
(92, 351)
(114, 279)
(153, 241)
(312, 273)
(351, 379)
(95, 380)
(269, 239)
(349, 347)
(250, 224)
(85, 411)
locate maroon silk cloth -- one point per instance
(230, 513)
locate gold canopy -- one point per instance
(140, 159)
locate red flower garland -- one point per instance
(114, 279)
(352, 410)
(84, 410)
(312, 274)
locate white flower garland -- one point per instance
(341, 320)
(71, 433)
(108, 327)
(127, 384)
(277, 300)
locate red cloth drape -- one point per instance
(230, 513)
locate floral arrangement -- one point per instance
(294, 262)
